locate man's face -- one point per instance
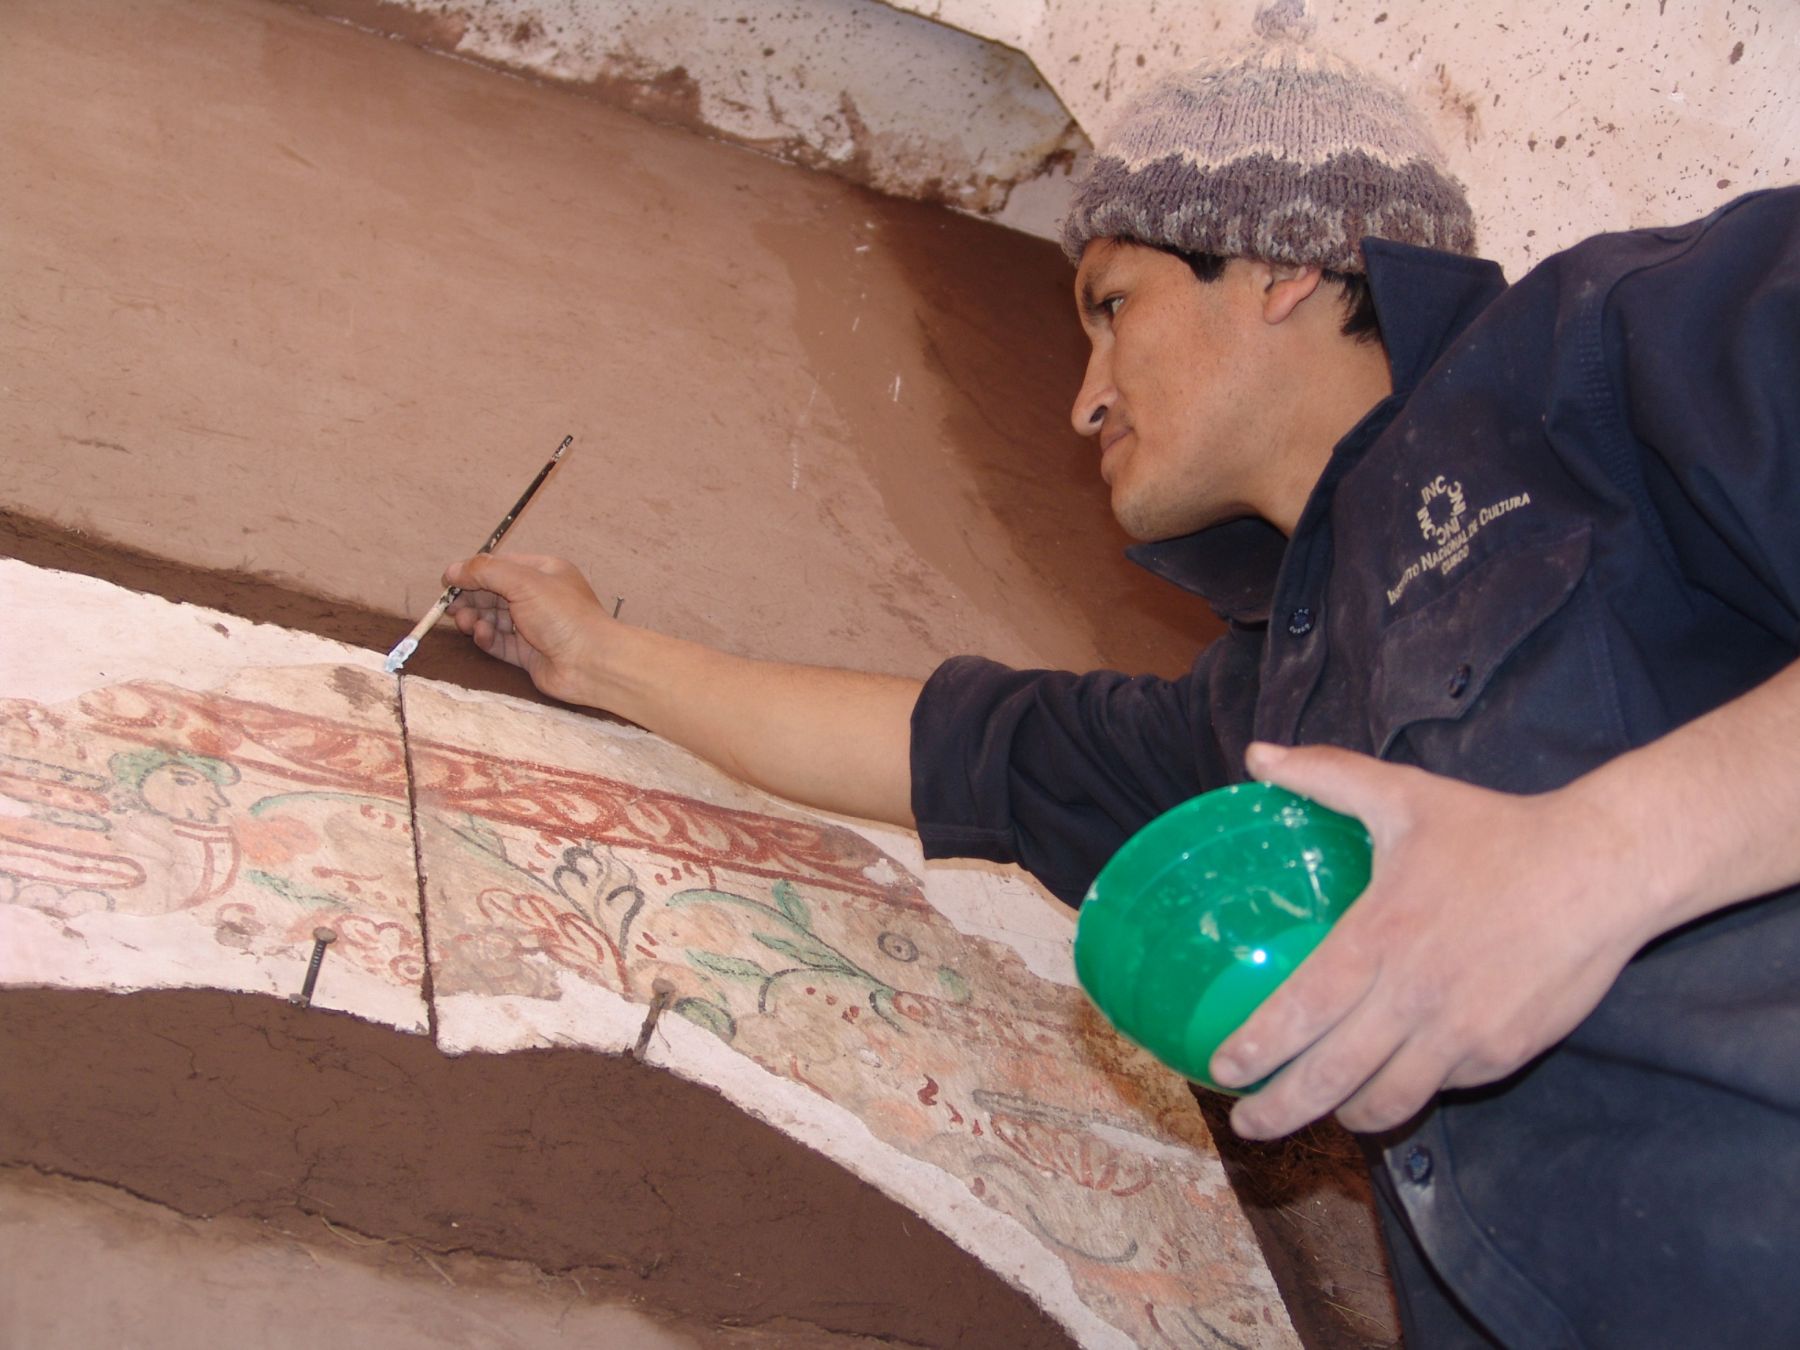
(1171, 391)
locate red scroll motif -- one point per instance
(323, 753)
(289, 745)
(572, 805)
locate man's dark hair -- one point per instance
(1359, 305)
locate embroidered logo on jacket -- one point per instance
(1446, 525)
(1441, 508)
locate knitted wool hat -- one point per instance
(1275, 151)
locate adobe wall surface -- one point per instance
(297, 303)
(88, 1264)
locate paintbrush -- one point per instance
(410, 643)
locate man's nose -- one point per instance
(1093, 398)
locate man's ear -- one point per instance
(1284, 286)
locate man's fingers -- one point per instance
(496, 642)
(1402, 1088)
(1324, 1076)
(483, 572)
(1354, 784)
(501, 573)
(474, 608)
(1321, 992)
(475, 598)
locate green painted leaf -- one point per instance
(788, 900)
(721, 964)
(709, 1015)
(809, 952)
(956, 988)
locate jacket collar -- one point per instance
(1424, 299)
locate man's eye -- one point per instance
(1110, 305)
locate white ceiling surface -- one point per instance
(1561, 120)
(911, 107)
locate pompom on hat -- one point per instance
(1275, 151)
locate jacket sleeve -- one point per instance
(1054, 771)
(1706, 350)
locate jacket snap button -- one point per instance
(1459, 680)
(1300, 622)
(1418, 1165)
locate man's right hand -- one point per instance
(839, 739)
(536, 613)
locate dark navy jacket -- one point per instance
(1574, 527)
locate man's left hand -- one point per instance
(1492, 924)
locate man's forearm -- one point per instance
(836, 739)
(1711, 810)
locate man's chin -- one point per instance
(1141, 520)
(1146, 524)
(1144, 531)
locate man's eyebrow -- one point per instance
(1091, 288)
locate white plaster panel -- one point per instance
(186, 797)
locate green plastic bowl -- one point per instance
(1204, 911)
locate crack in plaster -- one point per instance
(426, 991)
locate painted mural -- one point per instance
(249, 817)
(803, 946)
(236, 821)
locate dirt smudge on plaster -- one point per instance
(1459, 104)
(359, 688)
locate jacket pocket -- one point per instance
(1471, 684)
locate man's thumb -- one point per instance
(1339, 779)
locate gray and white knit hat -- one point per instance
(1276, 151)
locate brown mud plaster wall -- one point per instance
(325, 339)
(646, 1185)
(443, 655)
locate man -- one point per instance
(1536, 548)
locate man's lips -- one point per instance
(1108, 440)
